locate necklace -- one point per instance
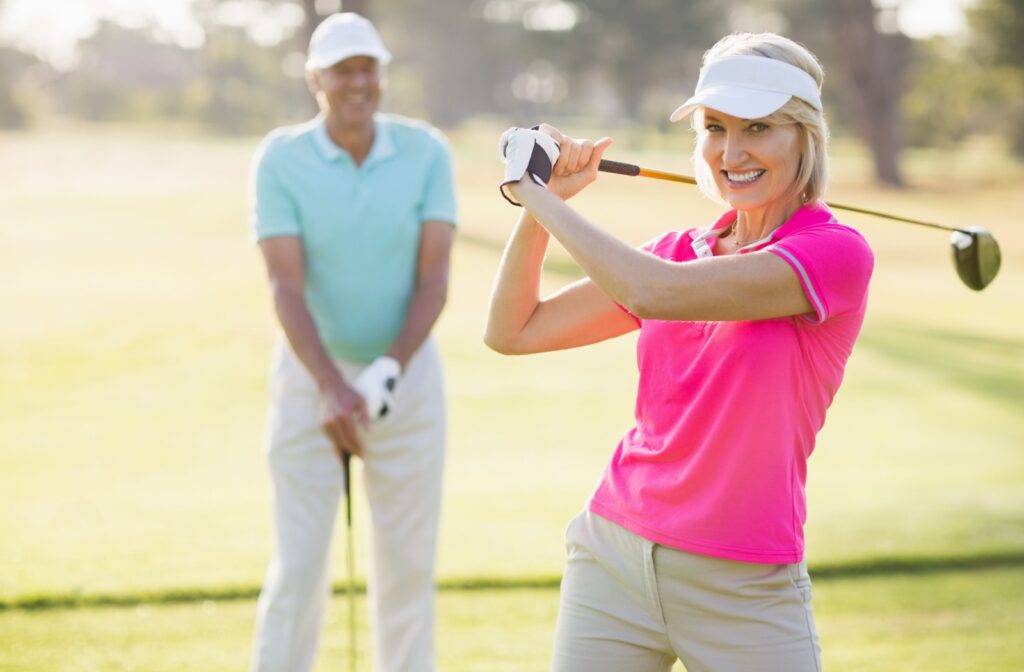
(738, 243)
(732, 231)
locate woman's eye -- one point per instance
(713, 128)
(758, 127)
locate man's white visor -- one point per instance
(749, 87)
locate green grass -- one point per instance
(135, 348)
(939, 623)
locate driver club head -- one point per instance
(975, 256)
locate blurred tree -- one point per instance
(245, 90)
(14, 111)
(361, 7)
(123, 75)
(644, 47)
(943, 96)
(534, 58)
(999, 25)
(312, 18)
(867, 61)
(454, 57)
(294, 19)
(294, 45)
(998, 41)
(230, 84)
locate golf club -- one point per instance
(346, 462)
(976, 254)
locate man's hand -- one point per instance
(342, 414)
(377, 385)
(525, 152)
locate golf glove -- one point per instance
(526, 151)
(377, 384)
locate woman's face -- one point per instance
(754, 161)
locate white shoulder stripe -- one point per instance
(819, 307)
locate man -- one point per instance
(354, 214)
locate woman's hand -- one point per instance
(577, 162)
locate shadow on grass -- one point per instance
(986, 366)
(865, 568)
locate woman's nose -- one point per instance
(734, 152)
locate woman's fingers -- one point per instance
(567, 153)
(573, 155)
(583, 160)
(598, 151)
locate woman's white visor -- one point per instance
(749, 87)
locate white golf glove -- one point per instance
(526, 151)
(377, 385)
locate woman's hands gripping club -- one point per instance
(564, 165)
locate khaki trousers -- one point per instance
(630, 605)
(401, 476)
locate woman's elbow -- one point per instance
(642, 303)
(650, 303)
(500, 343)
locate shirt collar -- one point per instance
(807, 215)
(383, 143)
(810, 214)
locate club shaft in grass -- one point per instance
(350, 593)
(620, 168)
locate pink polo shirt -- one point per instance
(727, 412)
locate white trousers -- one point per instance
(402, 468)
(629, 604)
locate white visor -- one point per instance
(749, 87)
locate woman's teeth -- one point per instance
(748, 176)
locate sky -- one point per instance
(50, 28)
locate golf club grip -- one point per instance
(618, 167)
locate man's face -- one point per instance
(350, 89)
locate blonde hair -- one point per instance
(812, 175)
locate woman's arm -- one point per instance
(519, 322)
(736, 287)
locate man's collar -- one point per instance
(383, 144)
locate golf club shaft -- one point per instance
(620, 168)
(346, 463)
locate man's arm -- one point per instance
(342, 407)
(431, 291)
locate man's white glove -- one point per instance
(526, 151)
(377, 384)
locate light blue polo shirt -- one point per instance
(359, 225)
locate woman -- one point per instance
(691, 546)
